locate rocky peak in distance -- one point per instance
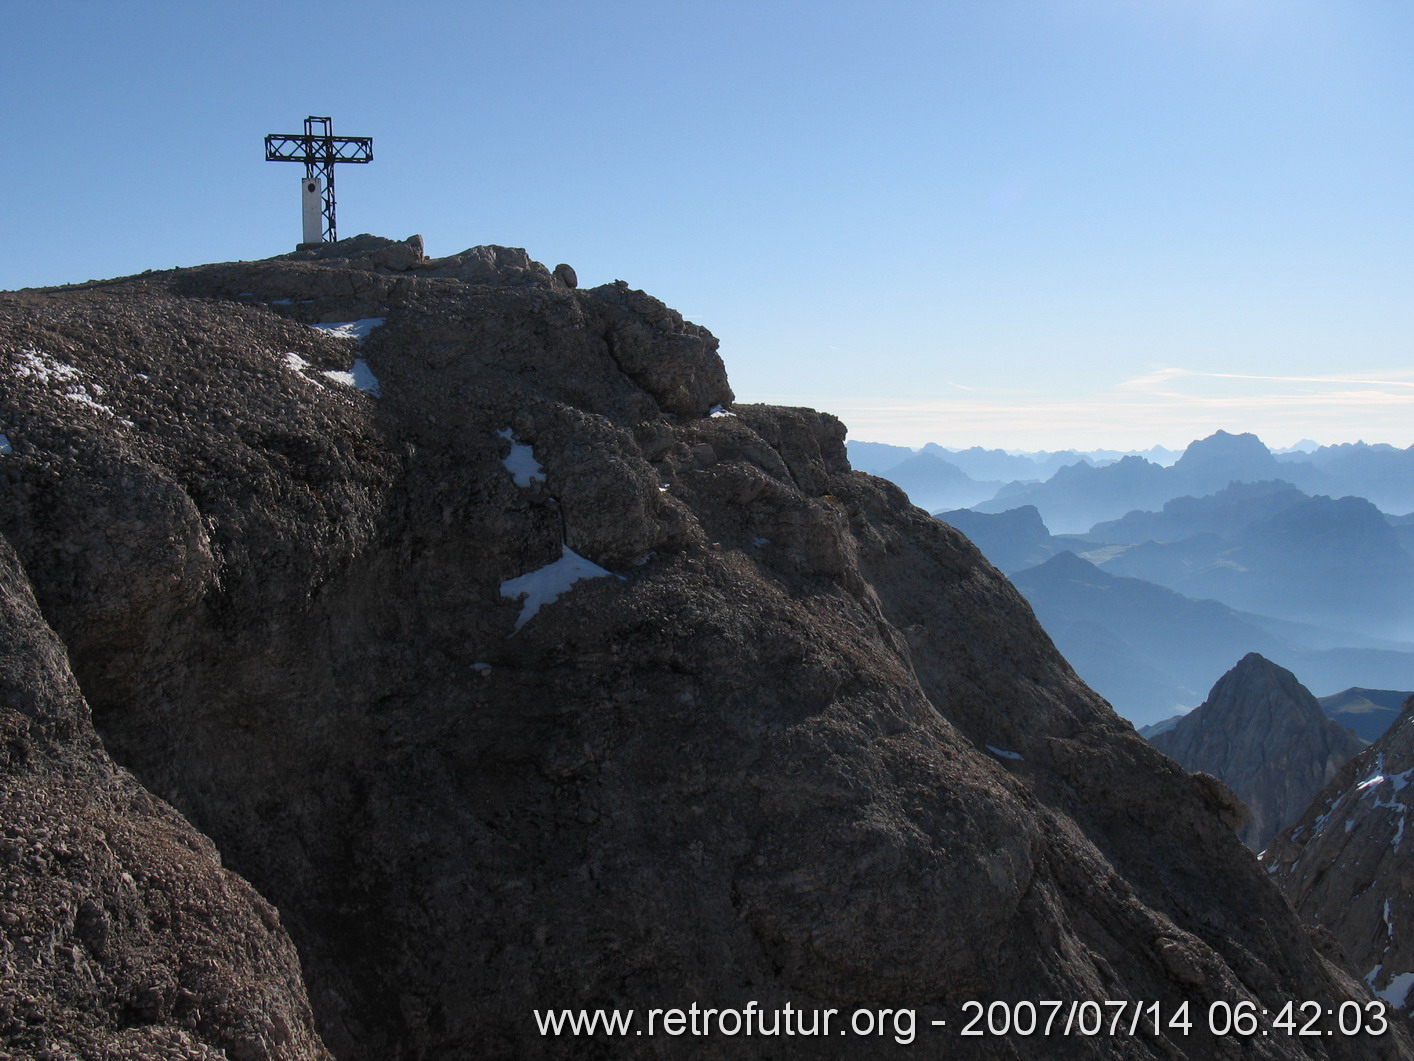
(1263, 735)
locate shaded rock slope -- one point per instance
(1345, 867)
(121, 936)
(1264, 735)
(518, 668)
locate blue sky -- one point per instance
(1016, 223)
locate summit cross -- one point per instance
(320, 150)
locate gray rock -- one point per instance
(566, 275)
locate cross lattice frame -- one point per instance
(320, 150)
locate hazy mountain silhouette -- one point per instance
(1332, 562)
(1369, 712)
(932, 482)
(1080, 495)
(1015, 539)
(1381, 473)
(1152, 651)
(876, 457)
(999, 466)
(1225, 513)
(1077, 498)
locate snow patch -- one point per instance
(1396, 992)
(546, 584)
(360, 377)
(44, 368)
(5, 448)
(521, 462)
(758, 542)
(81, 395)
(718, 410)
(356, 330)
(1003, 753)
(34, 364)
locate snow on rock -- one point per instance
(43, 367)
(357, 330)
(546, 584)
(360, 377)
(521, 462)
(1003, 753)
(1396, 991)
(81, 395)
(34, 364)
(5, 447)
(718, 410)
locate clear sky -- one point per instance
(1017, 223)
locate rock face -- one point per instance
(1344, 867)
(1264, 735)
(548, 678)
(121, 936)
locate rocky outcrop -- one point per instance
(1344, 867)
(1264, 735)
(548, 678)
(121, 935)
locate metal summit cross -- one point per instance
(319, 149)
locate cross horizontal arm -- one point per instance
(296, 147)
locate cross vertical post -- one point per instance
(320, 150)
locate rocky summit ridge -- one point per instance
(1263, 734)
(460, 612)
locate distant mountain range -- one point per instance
(1074, 490)
(1322, 560)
